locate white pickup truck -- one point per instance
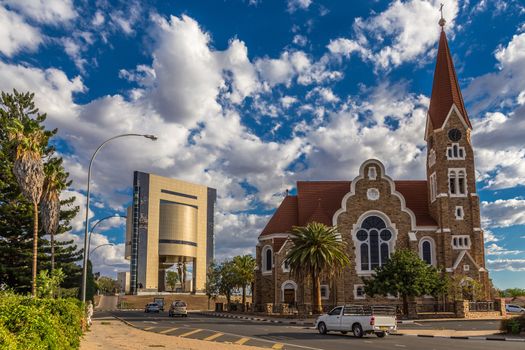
(358, 319)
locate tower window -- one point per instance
(457, 182)
(459, 213)
(461, 242)
(455, 152)
(433, 187)
(426, 250)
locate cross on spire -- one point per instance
(442, 20)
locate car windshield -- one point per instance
(179, 304)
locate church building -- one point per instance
(439, 217)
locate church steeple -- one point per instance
(445, 89)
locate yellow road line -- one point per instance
(214, 336)
(168, 330)
(242, 341)
(277, 346)
(148, 328)
(191, 332)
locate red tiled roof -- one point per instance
(319, 200)
(284, 217)
(278, 243)
(445, 89)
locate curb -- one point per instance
(216, 314)
(460, 337)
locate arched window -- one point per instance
(457, 182)
(426, 250)
(374, 242)
(267, 259)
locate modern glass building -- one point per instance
(169, 223)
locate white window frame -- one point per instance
(327, 291)
(359, 297)
(432, 249)
(372, 172)
(459, 217)
(456, 174)
(431, 158)
(466, 267)
(433, 187)
(263, 260)
(460, 242)
(456, 148)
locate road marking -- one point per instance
(153, 322)
(277, 346)
(242, 341)
(401, 346)
(213, 336)
(148, 328)
(191, 332)
(168, 330)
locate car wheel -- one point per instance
(381, 334)
(321, 327)
(344, 332)
(357, 330)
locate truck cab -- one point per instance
(358, 319)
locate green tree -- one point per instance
(55, 181)
(213, 276)
(172, 277)
(228, 279)
(107, 285)
(17, 212)
(405, 274)
(27, 145)
(316, 249)
(514, 292)
(244, 268)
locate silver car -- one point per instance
(178, 307)
(514, 308)
(152, 307)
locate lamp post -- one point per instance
(86, 233)
(98, 246)
(93, 229)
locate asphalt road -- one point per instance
(280, 336)
(470, 325)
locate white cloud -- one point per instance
(16, 35)
(294, 5)
(494, 249)
(404, 32)
(506, 264)
(489, 236)
(44, 11)
(503, 212)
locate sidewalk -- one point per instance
(111, 333)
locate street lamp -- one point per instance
(93, 229)
(98, 246)
(86, 248)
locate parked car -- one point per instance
(514, 308)
(152, 307)
(178, 307)
(358, 319)
(160, 303)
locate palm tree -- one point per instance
(28, 140)
(244, 266)
(316, 249)
(55, 181)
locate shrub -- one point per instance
(27, 323)
(513, 325)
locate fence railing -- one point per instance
(436, 307)
(481, 306)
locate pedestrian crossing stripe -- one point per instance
(190, 333)
(213, 336)
(168, 330)
(242, 341)
(277, 346)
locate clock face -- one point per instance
(454, 135)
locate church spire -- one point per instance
(445, 89)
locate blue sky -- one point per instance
(251, 96)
